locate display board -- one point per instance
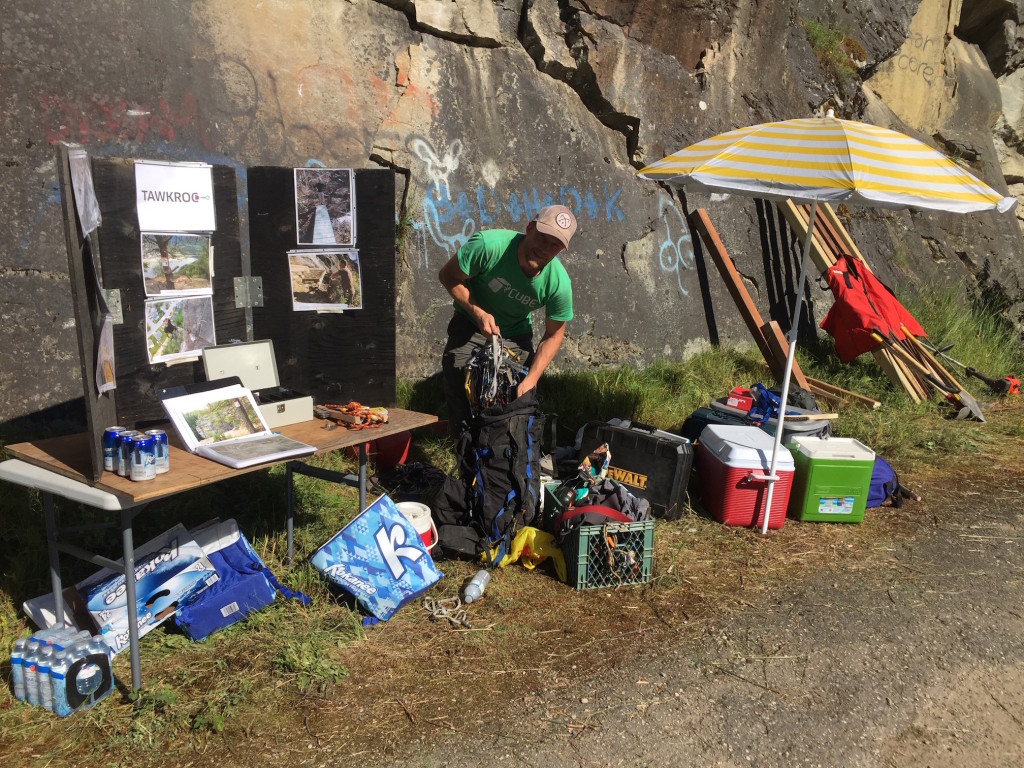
(335, 356)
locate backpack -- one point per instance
(885, 486)
(495, 489)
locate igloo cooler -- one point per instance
(832, 479)
(728, 457)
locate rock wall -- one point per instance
(490, 110)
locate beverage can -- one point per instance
(161, 450)
(109, 447)
(123, 451)
(142, 464)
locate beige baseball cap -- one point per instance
(557, 221)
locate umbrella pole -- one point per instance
(787, 375)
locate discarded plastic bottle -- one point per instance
(17, 671)
(475, 589)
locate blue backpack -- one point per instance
(885, 486)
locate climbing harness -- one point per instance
(448, 608)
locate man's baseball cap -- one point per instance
(557, 221)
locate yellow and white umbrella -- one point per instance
(824, 160)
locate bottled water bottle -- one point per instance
(475, 589)
(90, 679)
(29, 664)
(17, 671)
(58, 676)
(43, 676)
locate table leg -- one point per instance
(290, 519)
(362, 476)
(133, 608)
(51, 544)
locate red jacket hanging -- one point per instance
(863, 304)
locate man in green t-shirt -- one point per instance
(497, 279)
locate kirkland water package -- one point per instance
(168, 570)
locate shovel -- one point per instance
(970, 405)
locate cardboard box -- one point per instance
(168, 570)
(254, 363)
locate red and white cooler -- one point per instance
(729, 460)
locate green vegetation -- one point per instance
(290, 672)
(836, 51)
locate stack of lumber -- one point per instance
(767, 335)
(906, 362)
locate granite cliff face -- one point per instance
(488, 111)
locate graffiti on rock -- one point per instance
(451, 216)
(676, 251)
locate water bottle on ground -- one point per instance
(17, 671)
(475, 589)
(62, 707)
(95, 679)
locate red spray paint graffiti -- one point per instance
(88, 120)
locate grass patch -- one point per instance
(836, 51)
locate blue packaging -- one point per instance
(168, 570)
(379, 558)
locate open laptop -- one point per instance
(220, 421)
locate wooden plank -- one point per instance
(833, 219)
(780, 350)
(100, 410)
(831, 390)
(819, 255)
(700, 222)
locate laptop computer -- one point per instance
(219, 420)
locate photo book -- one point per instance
(220, 421)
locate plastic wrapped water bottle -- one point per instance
(29, 663)
(475, 589)
(58, 676)
(43, 677)
(17, 671)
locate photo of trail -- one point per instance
(324, 206)
(178, 263)
(326, 280)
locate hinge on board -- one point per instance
(113, 298)
(248, 292)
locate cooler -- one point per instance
(727, 456)
(653, 464)
(831, 480)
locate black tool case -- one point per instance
(653, 464)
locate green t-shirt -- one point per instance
(497, 283)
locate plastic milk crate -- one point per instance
(592, 562)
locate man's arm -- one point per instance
(554, 332)
(454, 281)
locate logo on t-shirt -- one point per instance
(501, 285)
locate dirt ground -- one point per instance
(907, 650)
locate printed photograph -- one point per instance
(176, 263)
(325, 280)
(325, 206)
(224, 420)
(179, 327)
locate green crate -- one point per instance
(586, 555)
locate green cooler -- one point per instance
(831, 479)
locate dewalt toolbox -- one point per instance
(651, 463)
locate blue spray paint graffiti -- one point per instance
(676, 251)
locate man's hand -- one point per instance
(454, 281)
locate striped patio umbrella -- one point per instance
(824, 160)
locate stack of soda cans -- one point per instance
(136, 455)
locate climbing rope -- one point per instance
(448, 608)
